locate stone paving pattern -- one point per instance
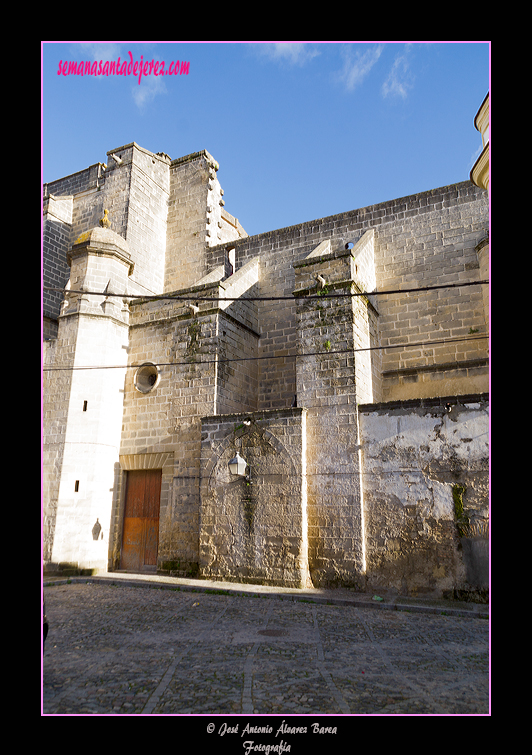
(124, 650)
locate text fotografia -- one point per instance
(123, 68)
(250, 746)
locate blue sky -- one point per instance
(301, 130)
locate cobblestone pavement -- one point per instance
(127, 650)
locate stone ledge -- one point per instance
(426, 403)
(254, 415)
(441, 366)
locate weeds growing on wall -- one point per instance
(460, 517)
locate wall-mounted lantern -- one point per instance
(238, 465)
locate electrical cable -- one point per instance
(272, 356)
(271, 298)
(197, 297)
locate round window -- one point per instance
(146, 377)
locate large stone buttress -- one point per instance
(334, 372)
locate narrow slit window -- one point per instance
(230, 261)
(76, 486)
(84, 406)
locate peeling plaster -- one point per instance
(412, 457)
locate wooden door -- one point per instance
(140, 537)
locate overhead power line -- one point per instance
(199, 297)
(273, 356)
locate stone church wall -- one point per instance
(427, 239)
(426, 494)
(346, 469)
(255, 529)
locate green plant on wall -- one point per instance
(460, 517)
(248, 511)
(194, 332)
(327, 345)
